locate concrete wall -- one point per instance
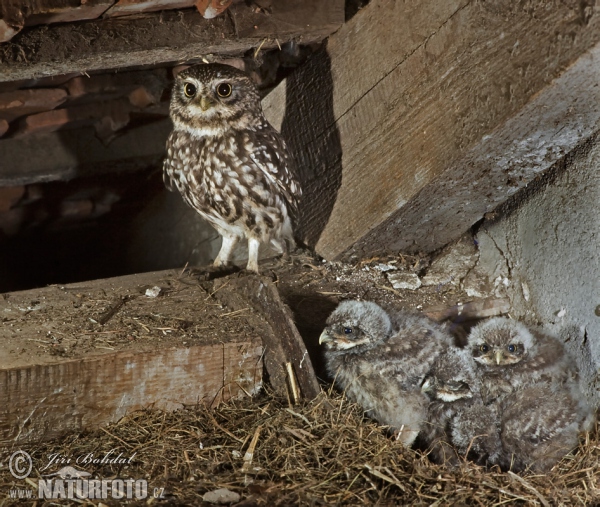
(546, 253)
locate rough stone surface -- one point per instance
(221, 496)
(401, 280)
(490, 275)
(453, 264)
(550, 246)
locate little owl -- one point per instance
(380, 360)
(510, 356)
(458, 424)
(228, 162)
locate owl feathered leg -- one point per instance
(253, 246)
(226, 251)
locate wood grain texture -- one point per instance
(44, 401)
(166, 37)
(82, 355)
(283, 343)
(431, 136)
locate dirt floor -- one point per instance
(265, 449)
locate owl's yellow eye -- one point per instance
(189, 89)
(224, 90)
(484, 348)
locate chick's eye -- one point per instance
(224, 90)
(484, 348)
(511, 348)
(347, 330)
(189, 89)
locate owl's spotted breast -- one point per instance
(220, 179)
(228, 162)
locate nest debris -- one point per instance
(322, 452)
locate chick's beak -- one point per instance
(498, 356)
(427, 385)
(325, 337)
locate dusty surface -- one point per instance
(104, 316)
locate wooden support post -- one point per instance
(283, 344)
(419, 118)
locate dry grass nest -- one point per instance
(322, 452)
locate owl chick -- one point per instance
(228, 162)
(453, 386)
(511, 357)
(540, 424)
(380, 361)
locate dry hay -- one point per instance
(322, 452)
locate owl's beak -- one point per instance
(427, 385)
(206, 103)
(498, 356)
(325, 337)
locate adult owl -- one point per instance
(228, 162)
(510, 357)
(380, 360)
(457, 410)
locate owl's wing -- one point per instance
(271, 157)
(168, 164)
(168, 180)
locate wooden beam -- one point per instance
(80, 356)
(405, 141)
(166, 37)
(283, 344)
(69, 154)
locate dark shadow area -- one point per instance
(66, 232)
(310, 130)
(310, 312)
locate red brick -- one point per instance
(127, 7)
(141, 97)
(50, 11)
(212, 8)
(9, 196)
(3, 127)
(76, 208)
(11, 20)
(122, 82)
(23, 102)
(11, 220)
(78, 116)
(111, 123)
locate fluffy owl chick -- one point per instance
(511, 357)
(453, 386)
(380, 361)
(540, 424)
(228, 162)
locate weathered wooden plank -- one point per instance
(45, 401)
(405, 149)
(166, 37)
(79, 356)
(74, 153)
(283, 344)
